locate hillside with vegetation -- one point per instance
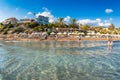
(31, 27)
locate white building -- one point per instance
(10, 20)
(26, 20)
(42, 19)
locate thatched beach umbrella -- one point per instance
(52, 33)
(65, 33)
(59, 33)
(44, 33)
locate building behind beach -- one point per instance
(10, 21)
(26, 20)
(42, 19)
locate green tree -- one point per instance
(111, 27)
(51, 25)
(115, 32)
(85, 27)
(10, 25)
(18, 30)
(102, 31)
(32, 24)
(98, 28)
(1, 26)
(5, 31)
(38, 28)
(73, 23)
(60, 23)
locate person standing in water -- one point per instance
(110, 43)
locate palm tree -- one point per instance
(111, 27)
(85, 27)
(73, 23)
(60, 22)
(1, 25)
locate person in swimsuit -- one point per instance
(110, 44)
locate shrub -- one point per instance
(48, 32)
(18, 30)
(32, 24)
(5, 31)
(37, 29)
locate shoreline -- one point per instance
(59, 39)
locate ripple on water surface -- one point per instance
(59, 61)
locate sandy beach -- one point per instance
(57, 39)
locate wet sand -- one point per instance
(58, 39)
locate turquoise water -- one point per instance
(85, 60)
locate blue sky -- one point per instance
(93, 12)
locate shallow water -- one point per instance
(85, 60)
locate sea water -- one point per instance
(53, 60)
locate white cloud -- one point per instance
(16, 9)
(108, 21)
(47, 13)
(89, 22)
(45, 9)
(108, 11)
(104, 24)
(96, 22)
(29, 13)
(107, 24)
(100, 24)
(111, 19)
(67, 19)
(25, 17)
